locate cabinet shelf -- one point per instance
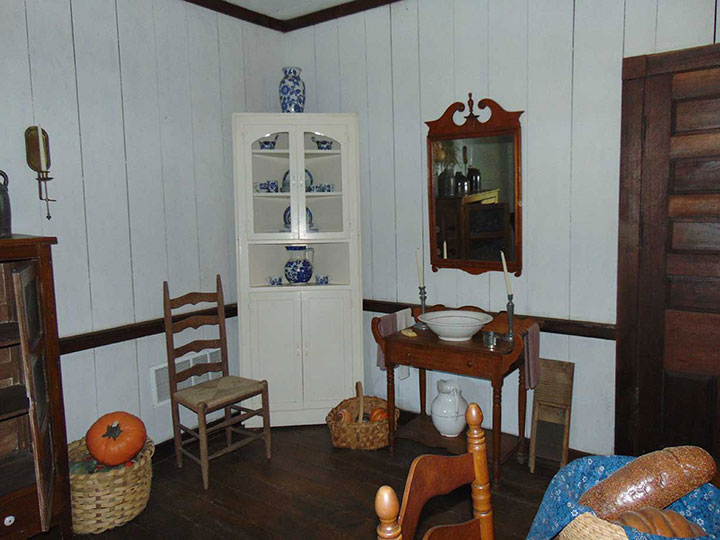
(13, 401)
(17, 470)
(9, 334)
(271, 153)
(306, 286)
(316, 153)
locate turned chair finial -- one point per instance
(387, 509)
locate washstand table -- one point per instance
(427, 351)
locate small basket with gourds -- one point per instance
(360, 423)
(110, 473)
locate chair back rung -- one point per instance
(197, 370)
(195, 321)
(197, 346)
(192, 298)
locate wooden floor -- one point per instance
(311, 490)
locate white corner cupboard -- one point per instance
(297, 184)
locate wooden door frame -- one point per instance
(646, 79)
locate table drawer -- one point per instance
(455, 363)
(20, 514)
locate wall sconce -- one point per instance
(37, 150)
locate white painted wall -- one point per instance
(560, 62)
(137, 96)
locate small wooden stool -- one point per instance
(551, 402)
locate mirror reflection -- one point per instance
(474, 189)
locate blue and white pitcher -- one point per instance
(298, 269)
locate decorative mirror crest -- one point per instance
(474, 189)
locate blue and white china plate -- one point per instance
(286, 181)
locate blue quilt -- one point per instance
(560, 503)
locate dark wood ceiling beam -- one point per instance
(288, 25)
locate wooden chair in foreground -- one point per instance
(224, 391)
(432, 475)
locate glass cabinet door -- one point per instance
(270, 182)
(321, 189)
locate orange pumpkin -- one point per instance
(378, 414)
(115, 438)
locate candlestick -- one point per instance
(508, 288)
(421, 325)
(510, 336)
(41, 147)
(421, 281)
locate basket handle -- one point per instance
(359, 393)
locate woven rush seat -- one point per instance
(218, 392)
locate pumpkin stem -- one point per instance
(113, 431)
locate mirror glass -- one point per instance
(474, 188)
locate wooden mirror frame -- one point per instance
(501, 122)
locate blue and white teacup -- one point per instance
(329, 188)
(269, 144)
(272, 186)
(315, 188)
(262, 187)
(321, 279)
(275, 280)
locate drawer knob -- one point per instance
(469, 363)
(9, 520)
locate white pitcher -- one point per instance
(448, 409)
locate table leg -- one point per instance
(423, 391)
(522, 405)
(497, 430)
(390, 374)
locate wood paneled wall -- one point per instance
(137, 95)
(403, 64)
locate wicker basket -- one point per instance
(589, 527)
(359, 435)
(109, 499)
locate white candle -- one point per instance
(41, 146)
(420, 269)
(507, 276)
(444, 249)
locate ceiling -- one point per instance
(286, 9)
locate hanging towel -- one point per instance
(389, 324)
(531, 349)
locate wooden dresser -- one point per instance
(34, 486)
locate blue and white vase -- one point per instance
(298, 269)
(292, 91)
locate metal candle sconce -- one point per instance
(423, 296)
(492, 339)
(37, 151)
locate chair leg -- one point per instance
(228, 430)
(566, 438)
(177, 433)
(202, 429)
(266, 418)
(533, 437)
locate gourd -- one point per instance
(661, 522)
(115, 438)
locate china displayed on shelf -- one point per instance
(269, 144)
(292, 91)
(322, 144)
(298, 269)
(286, 181)
(448, 409)
(308, 219)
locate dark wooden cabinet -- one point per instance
(668, 319)
(34, 486)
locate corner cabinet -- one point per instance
(34, 487)
(296, 185)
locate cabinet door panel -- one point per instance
(327, 348)
(276, 340)
(32, 341)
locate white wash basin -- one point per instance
(455, 325)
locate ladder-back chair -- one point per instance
(432, 475)
(221, 392)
